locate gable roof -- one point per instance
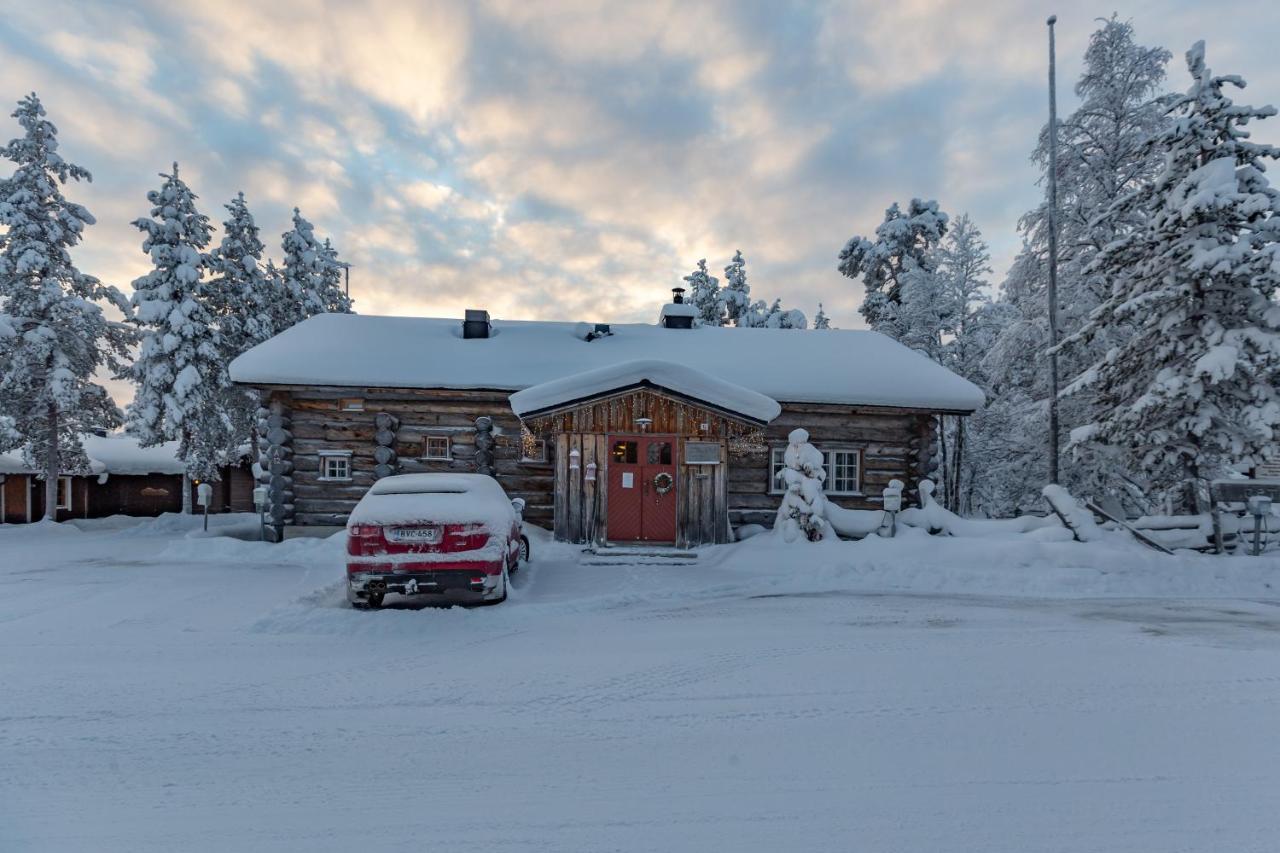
(664, 375)
(842, 366)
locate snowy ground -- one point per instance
(164, 693)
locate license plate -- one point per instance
(414, 534)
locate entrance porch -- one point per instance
(642, 451)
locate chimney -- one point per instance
(476, 324)
(677, 314)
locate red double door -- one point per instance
(642, 488)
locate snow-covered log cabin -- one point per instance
(123, 479)
(664, 433)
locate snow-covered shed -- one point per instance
(350, 398)
(122, 478)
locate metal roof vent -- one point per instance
(476, 324)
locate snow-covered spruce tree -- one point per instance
(803, 511)
(54, 335)
(903, 248)
(1191, 390)
(180, 372)
(964, 262)
(820, 320)
(704, 295)
(247, 304)
(735, 296)
(1007, 439)
(312, 273)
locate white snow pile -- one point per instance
(666, 375)
(1073, 515)
(436, 499)
(839, 366)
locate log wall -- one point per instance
(895, 444)
(318, 422)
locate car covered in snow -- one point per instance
(453, 536)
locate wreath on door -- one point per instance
(663, 482)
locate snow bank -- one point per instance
(841, 365)
(662, 374)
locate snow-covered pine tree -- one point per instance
(784, 318)
(1190, 392)
(312, 273)
(903, 249)
(704, 295)
(820, 320)
(735, 296)
(180, 374)
(803, 511)
(54, 335)
(246, 303)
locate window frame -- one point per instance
(326, 456)
(537, 442)
(426, 448)
(776, 464)
(60, 505)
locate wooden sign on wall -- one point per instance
(702, 453)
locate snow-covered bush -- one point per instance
(803, 510)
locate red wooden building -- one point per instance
(123, 479)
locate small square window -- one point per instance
(335, 466)
(436, 447)
(352, 404)
(64, 493)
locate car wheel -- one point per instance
(506, 582)
(525, 552)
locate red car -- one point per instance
(454, 536)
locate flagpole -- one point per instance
(1053, 258)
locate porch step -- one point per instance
(639, 556)
(632, 561)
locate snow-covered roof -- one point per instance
(662, 374)
(852, 367)
(112, 454)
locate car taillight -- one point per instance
(465, 537)
(361, 535)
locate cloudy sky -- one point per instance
(574, 159)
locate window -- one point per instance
(532, 449)
(625, 452)
(64, 493)
(844, 471)
(335, 466)
(659, 453)
(436, 447)
(352, 404)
